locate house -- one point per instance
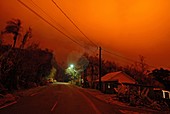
(112, 81)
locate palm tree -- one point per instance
(13, 27)
(27, 35)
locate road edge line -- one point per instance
(54, 106)
(91, 103)
(8, 104)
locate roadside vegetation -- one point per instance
(23, 64)
(88, 66)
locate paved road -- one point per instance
(63, 98)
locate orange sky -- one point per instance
(128, 28)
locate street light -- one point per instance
(74, 74)
(71, 66)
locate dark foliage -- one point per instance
(13, 27)
(20, 67)
(163, 76)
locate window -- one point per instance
(108, 86)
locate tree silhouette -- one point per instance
(162, 75)
(27, 35)
(13, 27)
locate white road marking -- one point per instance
(128, 112)
(54, 106)
(8, 104)
(33, 94)
(90, 102)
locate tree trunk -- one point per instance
(15, 39)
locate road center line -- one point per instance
(54, 106)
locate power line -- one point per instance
(49, 16)
(49, 23)
(128, 59)
(73, 23)
(119, 56)
(85, 47)
(70, 37)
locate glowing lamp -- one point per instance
(71, 66)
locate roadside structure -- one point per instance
(112, 82)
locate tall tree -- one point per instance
(13, 27)
(27, 35)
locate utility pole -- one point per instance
(100, 69)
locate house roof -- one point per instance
(119, 76)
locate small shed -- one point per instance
(113, 80)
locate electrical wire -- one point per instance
(49, 23)
(83, 46)
(128, 59)
(75, 26)
(50, 17)
(119, 56)
(73, 23)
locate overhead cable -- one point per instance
(49, 23)
(73, 23)
(128, 59)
